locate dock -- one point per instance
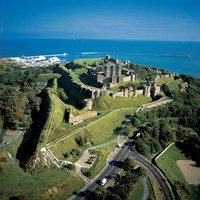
(48, 55)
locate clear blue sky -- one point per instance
(101, 19)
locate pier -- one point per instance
(92, 53)
(48, 55)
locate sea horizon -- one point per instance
(176, 56)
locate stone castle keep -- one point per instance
(111, 73)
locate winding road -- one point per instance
(114, 165)
(11, 139)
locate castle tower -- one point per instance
(155, 90)
(118, 70)
(147, 91)
(133, 77)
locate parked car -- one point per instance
(104, 181)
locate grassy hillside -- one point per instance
(175, 84)
(86, 62)
(36, 185)
(106, 102)
(98, 132)
(164, 80)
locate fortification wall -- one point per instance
(127, 78)
(139, 92)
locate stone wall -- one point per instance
(138, 92)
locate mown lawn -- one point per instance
(167, 162)
(89, 61)
(164, 80)
(137, 191)
(107, 102)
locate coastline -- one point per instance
(178, 57)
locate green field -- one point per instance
(106, 102)
(59, 126)
(35, 185)
(137, 192)
(117, 88)
(174, 85)
(99, 132)
(93, 62)
(167, 162)
(164, 80)
(154, 188)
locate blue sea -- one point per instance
(178, 57)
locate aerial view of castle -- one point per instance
(100, 100)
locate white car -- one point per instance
(104, 181)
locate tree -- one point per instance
(155, 146)
(128, 130)
(136, 122)
(129, 164)
(166, 90)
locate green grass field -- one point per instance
(15, 181)
(154, 190)
(137, 192)
(174, 85)
(117, 88)
(164, 80)
(99, 132)
(106, 102)
(76, 77)
(89, 62)
(167, 162)
(59, 125)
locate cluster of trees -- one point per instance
(155, 132)
(144, 71)
(177, 121)
(191, 147)
(83, 139)
(18, 94)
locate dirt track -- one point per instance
(190, 171)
